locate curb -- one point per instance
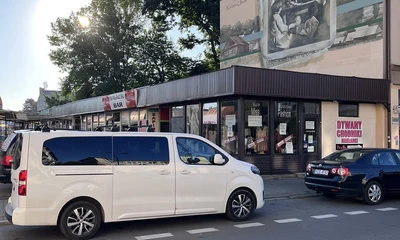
(283, 176)
(287, 197)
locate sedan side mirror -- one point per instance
(218, 159)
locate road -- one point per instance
(307, 218)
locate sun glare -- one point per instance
(84, 21)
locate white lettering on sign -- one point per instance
(349, 132)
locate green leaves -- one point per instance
(29, 106)
(119, 49)
(201, 14)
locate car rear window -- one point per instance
(347, 156)
(6, 144)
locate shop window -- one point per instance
(108, 125)
(84, 122)
(143, 120)
(348, 110)
(125, 120)
(229, 138)
(311, 108)
(177, 119)
(102, 120)
(134, 120)
(89, 123)
(256, 127)
(210, 121)
(285, 127)
(193, 119)
(95, 121)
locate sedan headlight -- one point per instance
(255, 170)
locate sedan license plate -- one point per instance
(321, 172)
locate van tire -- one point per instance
(83, 209)
(240, 205)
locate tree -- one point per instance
(203, 14)
(29, 106)
(114, 53)
(56, 100)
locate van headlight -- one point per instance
(255, 170)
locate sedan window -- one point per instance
(347, 156)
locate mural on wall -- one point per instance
(291, 34)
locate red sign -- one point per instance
(349, 132)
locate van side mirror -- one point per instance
(218, 159)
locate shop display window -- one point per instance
(177, 119)
(285, 133)
(210, 121)
(124, 120)
(193, 119)
(229, 138)
(256, 139)
(95, 121)
(101, 120)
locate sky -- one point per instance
(24, 62)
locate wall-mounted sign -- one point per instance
(349, 132)
(121, 100)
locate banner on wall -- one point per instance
(349, 132)
(154, 119)
(121, 100)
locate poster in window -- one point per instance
(254, 121)
(310, 125)
(289, 147)
(282, 129)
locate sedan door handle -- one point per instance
(185, 172)
(164, 172)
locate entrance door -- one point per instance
(310, 140)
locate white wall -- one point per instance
(329, 116)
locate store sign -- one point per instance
(154, 115)
(349, 132)
(121, 100)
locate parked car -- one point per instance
(365, 173)
(79, 180)
(6, 153)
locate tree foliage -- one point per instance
(29, 106)
(201, 14)
(56, 100)
(115, 52)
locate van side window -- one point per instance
(77, 151)
(141, 150)
(194, 151)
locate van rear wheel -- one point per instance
(240, 206)
(80, 220)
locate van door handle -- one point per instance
(185, 172)
(164, 172)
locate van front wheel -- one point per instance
(80, 220)
(240, 206)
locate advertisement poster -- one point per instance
(339, 37)
(349, 132)
(121, 100)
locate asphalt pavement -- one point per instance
(307, 218)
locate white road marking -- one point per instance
(154, 236)
(356, 212)
(247, 225)
(202, 230)
(324, 216)
(387, 209)
(289, 220)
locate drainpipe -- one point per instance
(387, 63)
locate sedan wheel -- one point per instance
(240, 206)
(80, 220)
(373, 193)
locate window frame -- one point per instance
(217, 151)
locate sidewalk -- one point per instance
(276, 187)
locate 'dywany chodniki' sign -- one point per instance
(349, 132)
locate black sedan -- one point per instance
(365, 173)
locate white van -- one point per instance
(78, 180)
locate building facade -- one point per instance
(299, 79)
